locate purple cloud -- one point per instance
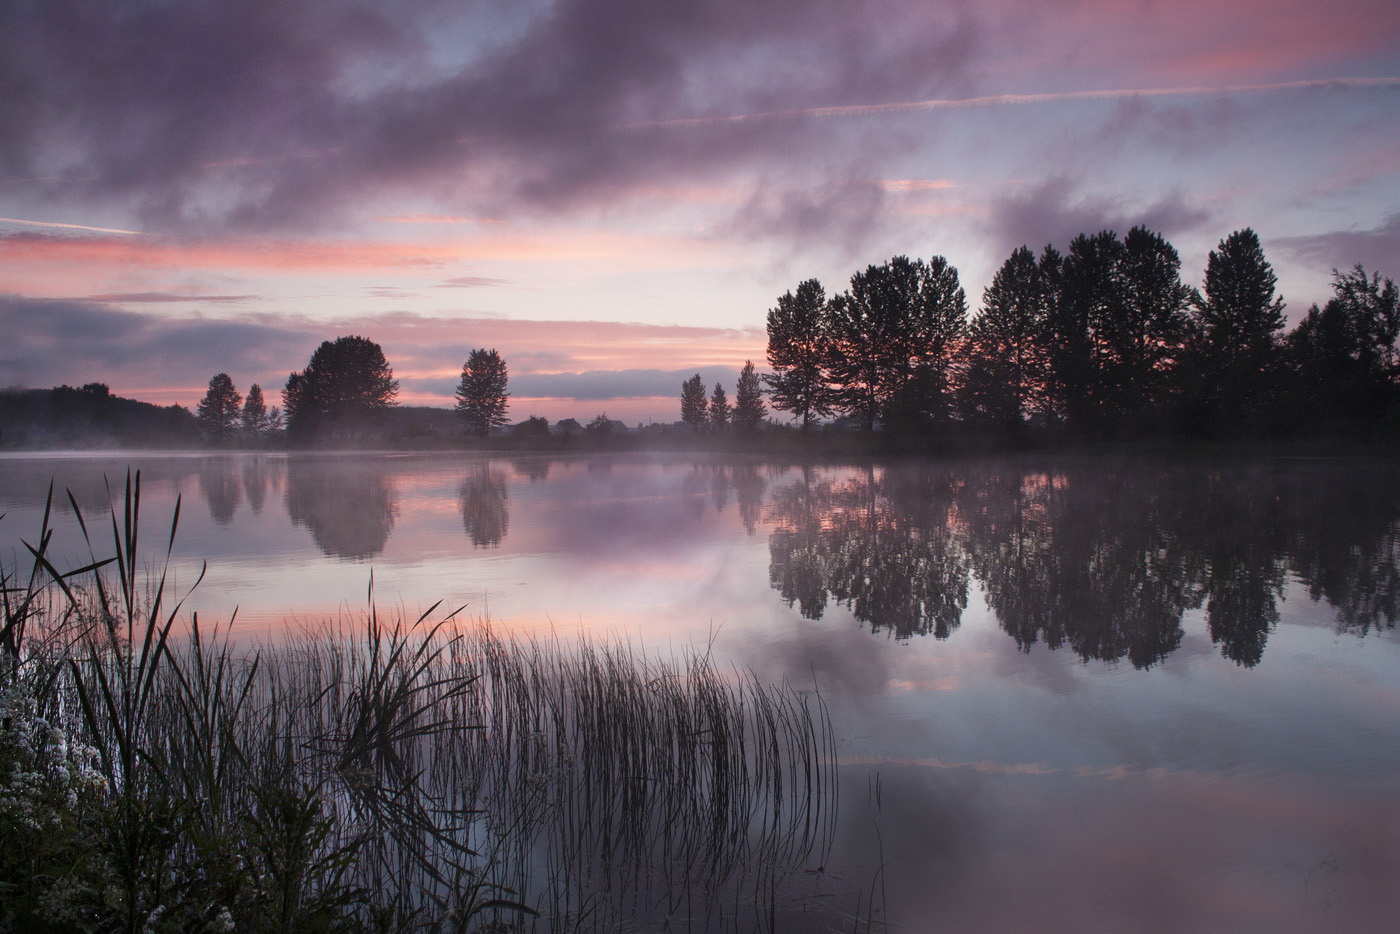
(55, 341)
(270, 115)
(1378, 250)
(1055, 212)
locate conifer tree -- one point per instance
(482, 398)
(720, 409)
(1236, 340)
(749, 410)
(254, 418)
(694, 405)
(220, 408)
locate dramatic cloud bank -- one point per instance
(670, 163)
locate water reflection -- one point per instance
(258, 479)
(743, 481)
(534, 469)
(884, 547)
(485, 514)
(348, 505)
(1103, 561)
(222, 486)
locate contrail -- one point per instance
(115, 230)
(1001, 100)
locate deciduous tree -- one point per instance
(1344, 355)
(892, 338)
(345, 386)
(1005, 361)
(797, 352)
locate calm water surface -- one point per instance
(1067, 695)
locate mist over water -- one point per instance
(1067, 694)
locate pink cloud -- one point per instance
(284, 256)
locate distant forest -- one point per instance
(1103, 343)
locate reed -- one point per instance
(378, 774)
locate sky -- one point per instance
(612, 193)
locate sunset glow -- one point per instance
(614, 196)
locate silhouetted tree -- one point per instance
(254, 419)
(219, 410)
(1117, 329)
(694, 406)
(535, 426)
(892, 337)
(797, 352)
(345, 387)
(1235, 346)
(1344, 354)
(1090, 288)
(719, 408)
(599, 427)
(749, 410)
(1144, 338)
(1006, 359)
(481, 393)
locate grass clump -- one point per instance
(423, 775)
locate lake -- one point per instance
(1066, 694)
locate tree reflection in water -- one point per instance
(887, 550)
(222, 488)
(1102, 559)
(348, 504)
(258, 478)
(485, 514)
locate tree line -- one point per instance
(344, 391)
(1103, 340)
(715, 411)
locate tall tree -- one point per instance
(720, 410)
(1091, 287)
(892, 339)
(1235, 347)
(345, 387)
(1005, 360)
(797, 352)
(748, 400)
(1118, 328)
(255, 420)
(219, 410)
(695, 407)
(482, 398)
(1145, 337)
